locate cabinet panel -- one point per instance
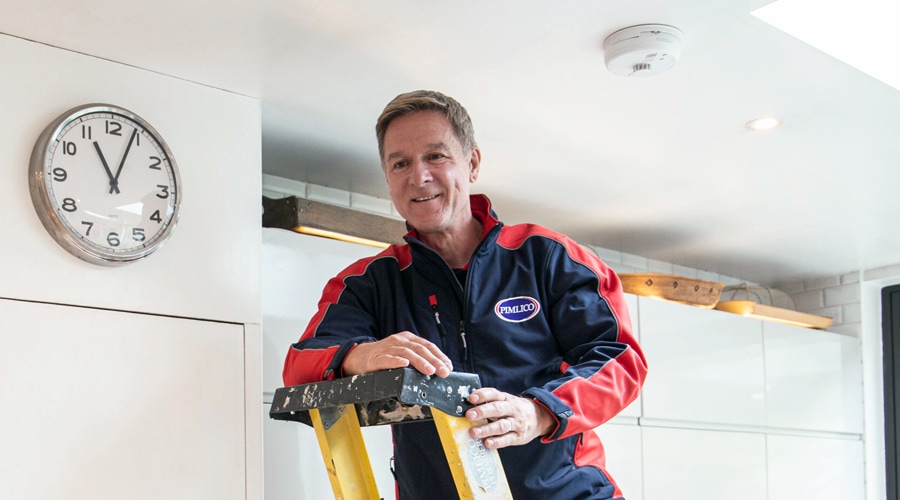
(814, 379)
(622, 444)
(705, 365)
(634, 409)
(687, 464)
(209, 268)
(108, 405)
(294, 466)
(812, 467)
(295, 269)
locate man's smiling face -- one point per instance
(428, 172)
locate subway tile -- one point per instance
(852, 313)
(328, 195)
(791, 288)
(808, 301)
(372, 204)
(658, 266)
(845, 294)
(686, 271)
(279, 187)
(882, 272)
(609, 256)
(850, 278)
(620, 268)
(835, 313)
(710, 276)
(818, 284)
(635, 261)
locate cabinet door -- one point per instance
(622, 444)
(815, 467)
(633, 410)
(705, 365)
(295, 269)
(107, 405)
(813, 378)
(687, 464)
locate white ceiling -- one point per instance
(659, 166)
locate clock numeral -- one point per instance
(165, 191)
(113, 239)
(156, 162)
(90, 225)
(86, 132)
(69, 205)
(113, 128)
(69, 148)
(155, 216)
(60, 174)
(137, 234)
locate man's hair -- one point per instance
(427, 100)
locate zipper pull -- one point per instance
(437, 319)
(462, 336)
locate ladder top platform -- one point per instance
(386, 397)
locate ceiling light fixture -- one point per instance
(642, 50)
(764, 123)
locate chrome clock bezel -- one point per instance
(52, 221)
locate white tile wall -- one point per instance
(836, 297)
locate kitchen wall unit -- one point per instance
(729, 405)
(140, 381)
(736, 407)
(135, 406)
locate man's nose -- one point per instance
(420, 173)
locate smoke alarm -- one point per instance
(642, 50)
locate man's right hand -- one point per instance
(397, 351)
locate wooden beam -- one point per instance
(293, 213)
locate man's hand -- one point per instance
(512, 420)
(397, 351)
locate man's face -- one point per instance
(428, 172)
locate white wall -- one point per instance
(134, 344)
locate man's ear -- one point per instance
(474, 164)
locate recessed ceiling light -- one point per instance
(765, 123)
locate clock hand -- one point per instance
(115, 180)
(113, 184)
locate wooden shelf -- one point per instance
(769, 313)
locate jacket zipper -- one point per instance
(437, 319)
(462, 336)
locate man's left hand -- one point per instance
(512, 420)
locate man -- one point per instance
(542, 321)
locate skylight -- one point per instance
(862, 35)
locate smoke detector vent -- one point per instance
(642, 50)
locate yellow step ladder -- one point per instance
(337, 409)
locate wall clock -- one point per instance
(104, 184)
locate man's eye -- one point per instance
(435, 156)
(400, 164)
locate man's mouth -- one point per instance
(425, 198)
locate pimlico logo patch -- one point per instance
(517, 309)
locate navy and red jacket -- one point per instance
(537, 316)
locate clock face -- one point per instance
(105, 185)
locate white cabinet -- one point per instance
(622, 444)
(689, 464)
(634, 409)
(295, 270)
(813, 378)
(705, 365)
(106, 405)
(813, 467)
